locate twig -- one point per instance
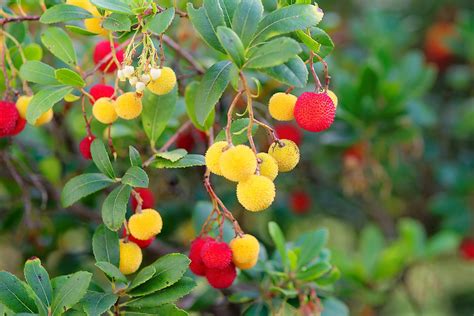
(19, 19)
(228, 135)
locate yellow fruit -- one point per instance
(104, 111)
(128, 106)
(281, 106)
(245, 251)
(165, 83)
(85, 4)
(130, 257)
(22, 106)
(268, 166)
(94, 25)
(238, 163)
(333, 97)
(287, 156)
(146, 224)
(256, 193)
(213, 154)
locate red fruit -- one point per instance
(196, 265)
(102, 49)
(216, 255)
(8, 118)
(467, 248)
(185, 141)
(314, 112)
(147, 197)
(437, 48)
(289, 131)
(221, 278)
(20, 126)
(101, 91)
(85, 147)
(300, 202)
(141, 243)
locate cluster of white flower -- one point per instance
(136, 80)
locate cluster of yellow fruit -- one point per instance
(159, 81)
(22, 105)
(94, 24)
(254, 173)
(143, 225)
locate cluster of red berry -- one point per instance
(11, 123)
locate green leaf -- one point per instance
(211, 88)
(292, 73)
(135, 158)
(117, 22)
(238, 130)
(371, 244)
(136, 177)
(285, 20)
(246, 18)
(228, 8)
(64, 13)
(59, 44)
(232, 45)
(321, 37)
(38, 278)
(101, 158)
(105, 245)
(165, 296)
(190, 160)
(111, 270)
(273, 53)
(168, 270)
(83, 185)
(157, 111)
(143, 276)
(166, 309)
(190, 98)
(38, 72)
(118, 6)
(97, 303)
(279, 241)
(14, 294)
(115, 207)
(69, 77)
(173, 155)
(161, 21)
(311, 245)
(79, 30)
(313, 272)
(203, 25)
(330, 277)
(45, 100)
(70, 292)
(334, 307)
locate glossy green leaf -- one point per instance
(115, 207)
(38, 72)
(232, 45)
(117, 22)
(166, 309)
(190, 101)
(238, 130)
(15, 295)
(101, 158)
(204, 26)
(83, 185)
(97, 303)
(69, 77)
(246, 19)
(173, 155)
(311, 244)
(44, 100)
(118, 6)
(279, 240)
(273, 53)
(79, 30)
(211, 88)
(313, 272)
(136, 177)
(59, 44)
(64, 13)
(38, 279)
(190, 160)
(161, 21)
(228, 8)
(134, 155)
(111, 270)
(293, 73)
(105, 245)
(70, 292)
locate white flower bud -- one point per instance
(155, 73)
(145, 78)
(128, 71)
(120, 75)
(133, 81)
(140, 86)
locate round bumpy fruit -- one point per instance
(286, 156)
(216, 255)
(148, 199)
(314, 112)
(104, 111)
(238, 163)
(333, 97)
(146, 224)
(101, 91)
(289, 131)
(140, 243)
(281, 106)
(130, 257)
(256, 193)
(22, 105)
(213, 155)
(85, 147)
(94, 25)
(268, 166)
(221, 278)
(197, 265)
(128, 106)
(245, 251)
(84, 4)
(9, 118)
(164, 83)
(101, 51)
